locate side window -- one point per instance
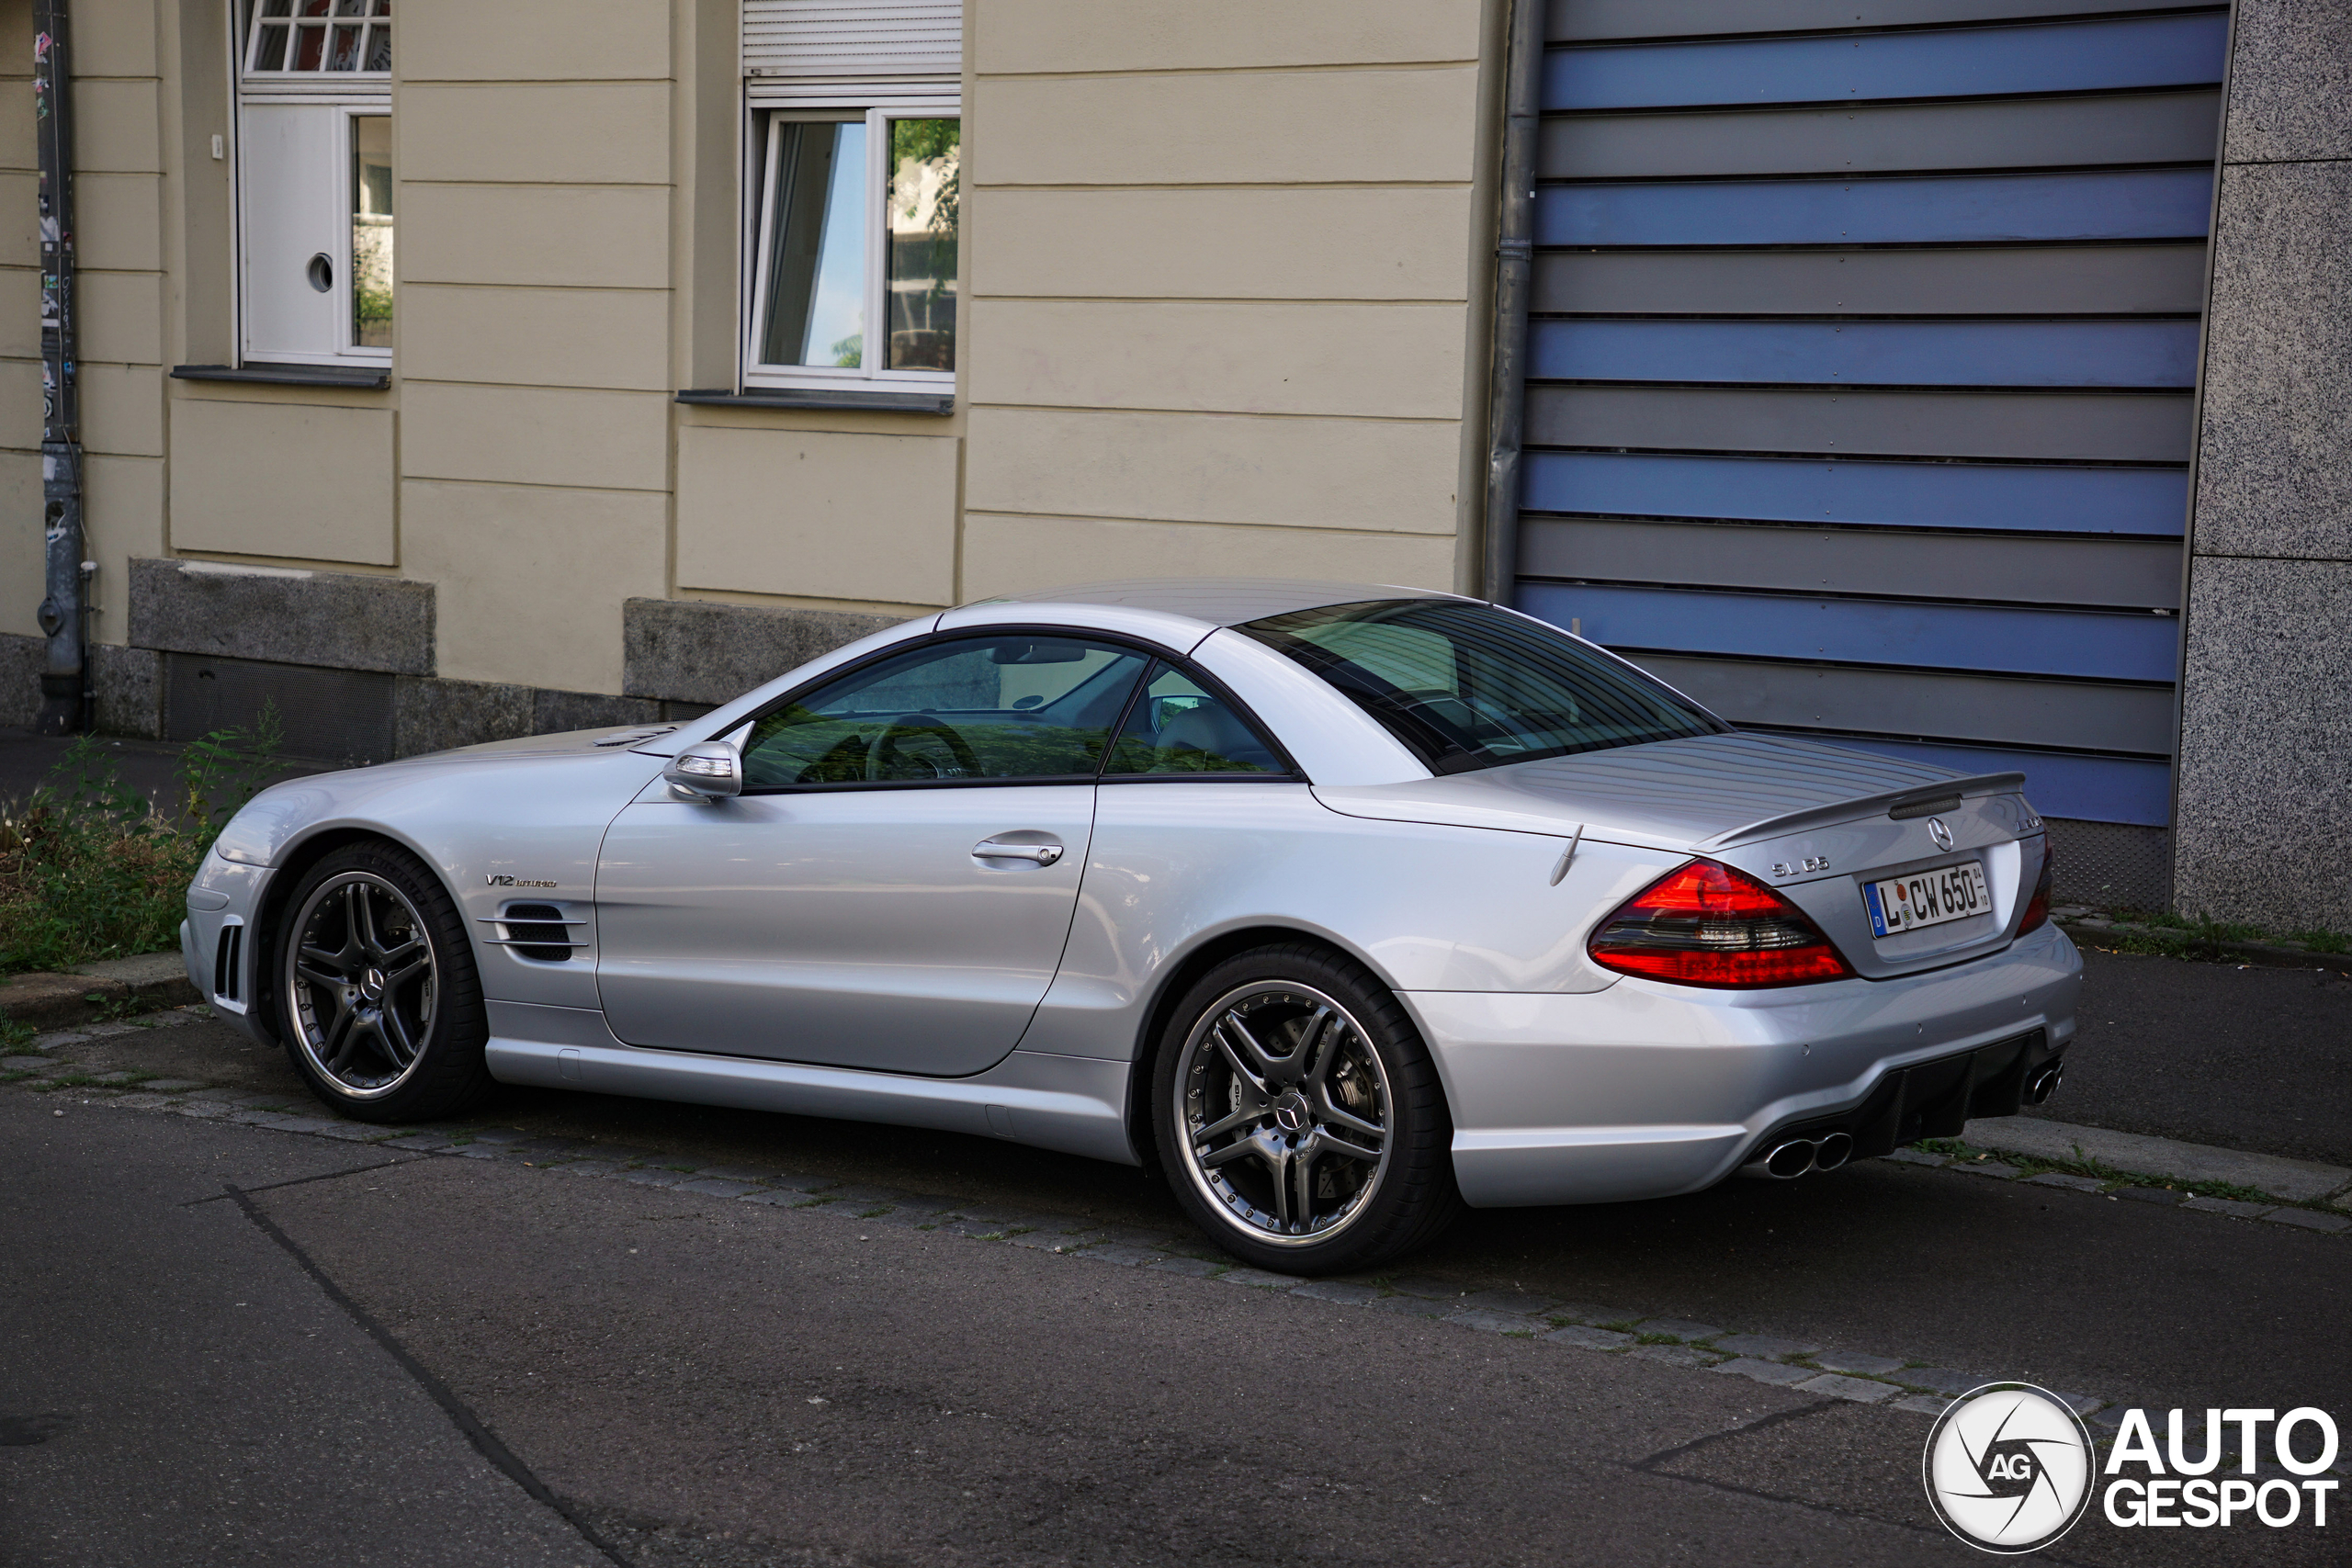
(314, 196)
(1008, 707)
(1176, 728)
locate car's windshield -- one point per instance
(1465, 685)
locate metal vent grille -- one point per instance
(2111, 865)
(228, 963)
(541, 932)
(852, 39)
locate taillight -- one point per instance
(2037, 908)
(1709, 925)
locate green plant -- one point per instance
(89, 869)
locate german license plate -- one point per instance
(1926, 898)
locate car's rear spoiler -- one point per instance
(1920, 796)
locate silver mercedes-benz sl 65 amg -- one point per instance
(1341, 906)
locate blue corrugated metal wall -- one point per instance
(1860, 369)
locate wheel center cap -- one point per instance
(371, 985)
(1291, 1112)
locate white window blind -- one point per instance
(818, 50)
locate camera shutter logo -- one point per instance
(2008, 1467)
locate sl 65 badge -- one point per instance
(492, 880)
(1810, 863)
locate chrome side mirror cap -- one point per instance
(712, 771)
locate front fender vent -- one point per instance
(541, 932)
(228, 966)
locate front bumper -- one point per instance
(1646, 1091)
(217, 940)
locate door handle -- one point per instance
(997, 849)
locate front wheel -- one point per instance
(379, 1001)
(1299, 1116)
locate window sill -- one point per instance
(792, 398)
(354, 379)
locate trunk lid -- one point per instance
(1813, 822)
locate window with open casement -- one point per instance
(853, 157)
(315, 183)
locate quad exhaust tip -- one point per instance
(1797, 1156)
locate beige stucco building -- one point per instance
(1961, 378)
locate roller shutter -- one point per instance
(809, 48)
(1861, 374)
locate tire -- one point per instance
(376, 989)
(1306, 1075)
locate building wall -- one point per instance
(2264, 792)
(1222, 271)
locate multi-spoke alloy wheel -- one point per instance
(1298, 1115)
(1286, 1110)
(378, 999)
(360, 976)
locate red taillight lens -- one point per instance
(1709, 925)
(2037, 908)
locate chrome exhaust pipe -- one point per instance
(1786, 1162)
(2044, 1083)
(1833, 1151)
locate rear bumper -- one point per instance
(1646, 1090)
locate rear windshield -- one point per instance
(1465, 685)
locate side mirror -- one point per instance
(712, 771)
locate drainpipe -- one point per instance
(1514, 287)
(65, 687)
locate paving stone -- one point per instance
(316, 1126)
(262, 1118)
(791, 1181)
(1847, 1362)
(481, 1151)
(227, 1096)
(711, 1188)
(1943, 1380)
(965, 1226)
(2108, 1422)
(499, 1134)
(1862, 1391)
(143, 1101)
(2308, 1220)
(204, 1110)
(1191, 1268)
(1486, 1322)
(55, 1038)
(1260, 1278)
(1917, 1156)
(2149, 1194)
(1339, 1290)
(23, 1064)
(596, 1169)
(2081, 1403)
(767, 1195)
(1586, 1339)
(1991, 1167)
(424, 1142)
(1681, 1327)
(1925, 1403)
(349, 1131)
(172, 1086)
(1410, 1306)
(103, 1030)
(1516, 1301)
(1590, 1312)
(2060, 1179)
(121, 1075)
(649, 1178)
(548, 1146)
(2229, 1206)
(2341, 1201)
(1418, 1285)
(1125, 1256)
(1767, 1372)
(1675, 1355)
(1762, 1345)
(619, 1154)
(919, 1204)
(1042, 1241)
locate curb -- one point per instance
(97, 991)
(2192, 947)
(2294, 1180)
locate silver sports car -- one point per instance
(1342, 906)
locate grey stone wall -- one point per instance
(694, 652)
(334, 620)
(2262, 819)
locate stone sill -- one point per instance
(856, 403)
(288, 376)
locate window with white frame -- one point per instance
(853, 158)
(315, 186)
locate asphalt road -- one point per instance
(693, 1380)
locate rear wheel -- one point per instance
(1299, 1116)
(379, 1000)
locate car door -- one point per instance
(894, 887)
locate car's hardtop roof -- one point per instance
(1219, 601)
